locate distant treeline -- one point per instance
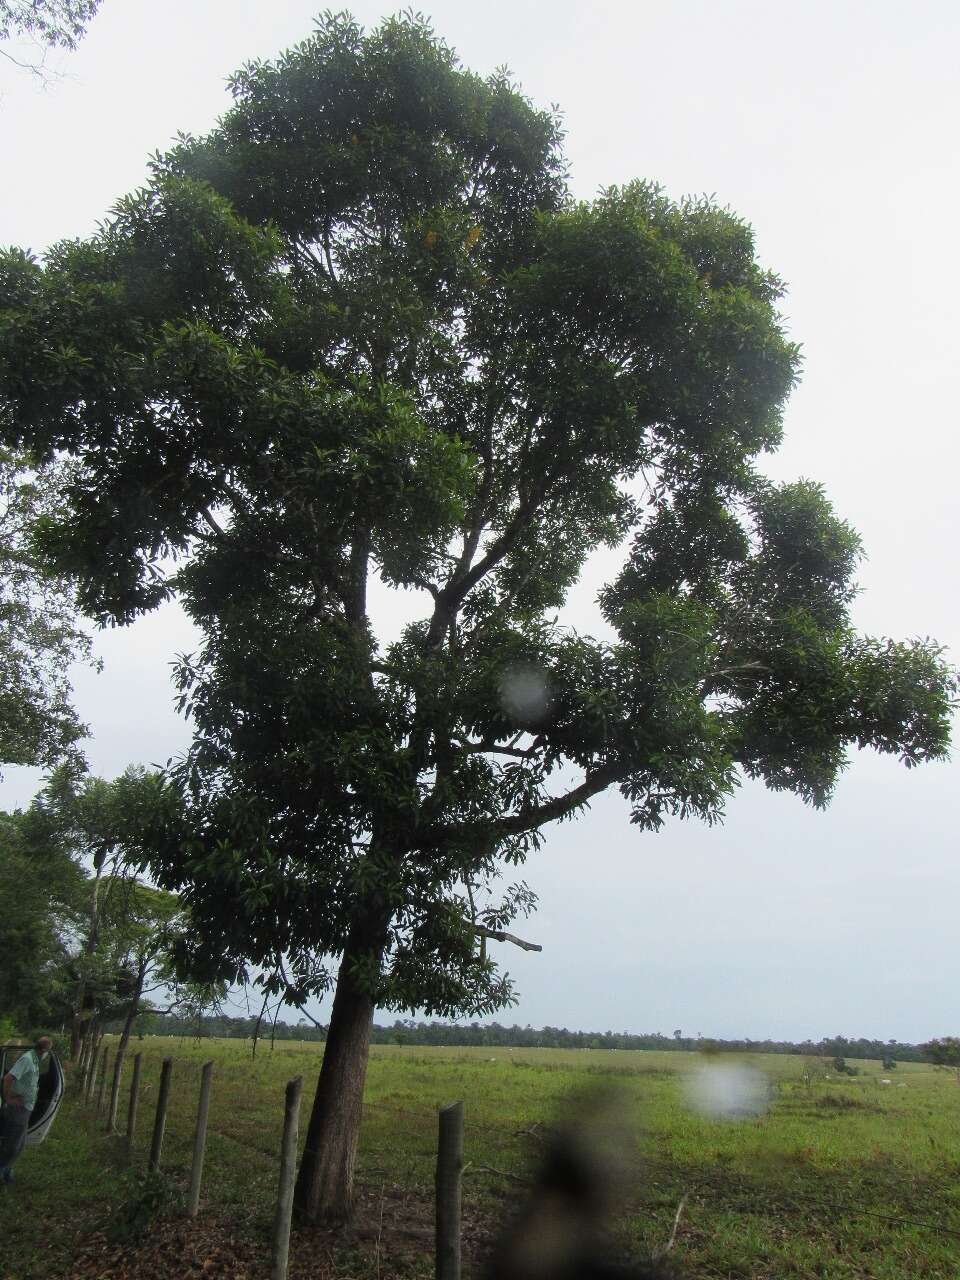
(493, 1035)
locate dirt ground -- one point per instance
(391, 1234)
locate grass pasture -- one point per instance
(841, 1177)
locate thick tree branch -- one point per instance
(208, 520)
(357, 584)
(505, 543)
(326, 251)
(425, 585)
(492, 748)
(745, 668)
(472, 539)
(385, 669)
(456, 590)
(534, 817)
(501, 935)
(308, 258)
(531, 818)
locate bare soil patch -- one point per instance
(390, 1235)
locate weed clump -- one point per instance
(152, 1196)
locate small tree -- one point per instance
(362, 332)
(140, 928)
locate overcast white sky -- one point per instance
(831, 126)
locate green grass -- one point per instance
(842, 1177)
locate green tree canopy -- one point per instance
(362, 330)
(945, 1052)
(42, 902)
(127, 929)
(78, 932)
(39, 632)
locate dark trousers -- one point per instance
(13, 1133)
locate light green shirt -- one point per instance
(26, 1073)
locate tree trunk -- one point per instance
(132, 1009)
(324, 1190)
(89, 946)
(92, 1034)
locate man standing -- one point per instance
(19, 1095)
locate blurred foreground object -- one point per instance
(562, 1232)
(728, 1090)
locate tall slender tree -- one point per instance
(361, 332)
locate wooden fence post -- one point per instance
(102, 1075)
(280, 1246)
(200, 1140)
(160, 1120)
(134, 1101)
(114, 1093)
(449, 1175)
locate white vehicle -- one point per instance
(49, 1093)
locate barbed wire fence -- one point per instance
(91, 1088)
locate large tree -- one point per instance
(361, 332)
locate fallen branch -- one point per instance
(530, 1133)
(662, 1253)
(500, 1173)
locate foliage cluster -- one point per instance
(945, 1052)
(842, 1068)
(42, 905)
(56, 23)
(147, 1198)
(36, 27)
(39, 633)
(82, 938)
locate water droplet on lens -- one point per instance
(728, 1090)
(525, 695)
